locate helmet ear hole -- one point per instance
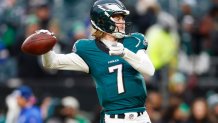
(112, 27)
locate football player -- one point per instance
(116, 61)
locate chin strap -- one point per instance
(118, 35)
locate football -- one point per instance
(39, 43)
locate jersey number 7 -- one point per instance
(118, 68)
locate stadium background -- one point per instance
(194, 39)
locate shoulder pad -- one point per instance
(138, 36)
(80, 44)
(142, 43)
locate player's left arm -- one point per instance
(139, 60)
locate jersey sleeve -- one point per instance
(141, 41)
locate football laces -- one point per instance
(45, 31)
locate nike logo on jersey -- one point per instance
(113, 61)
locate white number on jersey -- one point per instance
(119, 77)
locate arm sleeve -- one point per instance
(70, 61)
(139, 61)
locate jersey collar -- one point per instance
(105, 44)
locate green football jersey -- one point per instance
(119, 86)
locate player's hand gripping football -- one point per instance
(117, 49)
(39, 43)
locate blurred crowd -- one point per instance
(23, 108)
(183, 46)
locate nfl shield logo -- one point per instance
(131, 116)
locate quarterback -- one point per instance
(116, 61)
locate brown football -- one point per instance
(38, 43)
